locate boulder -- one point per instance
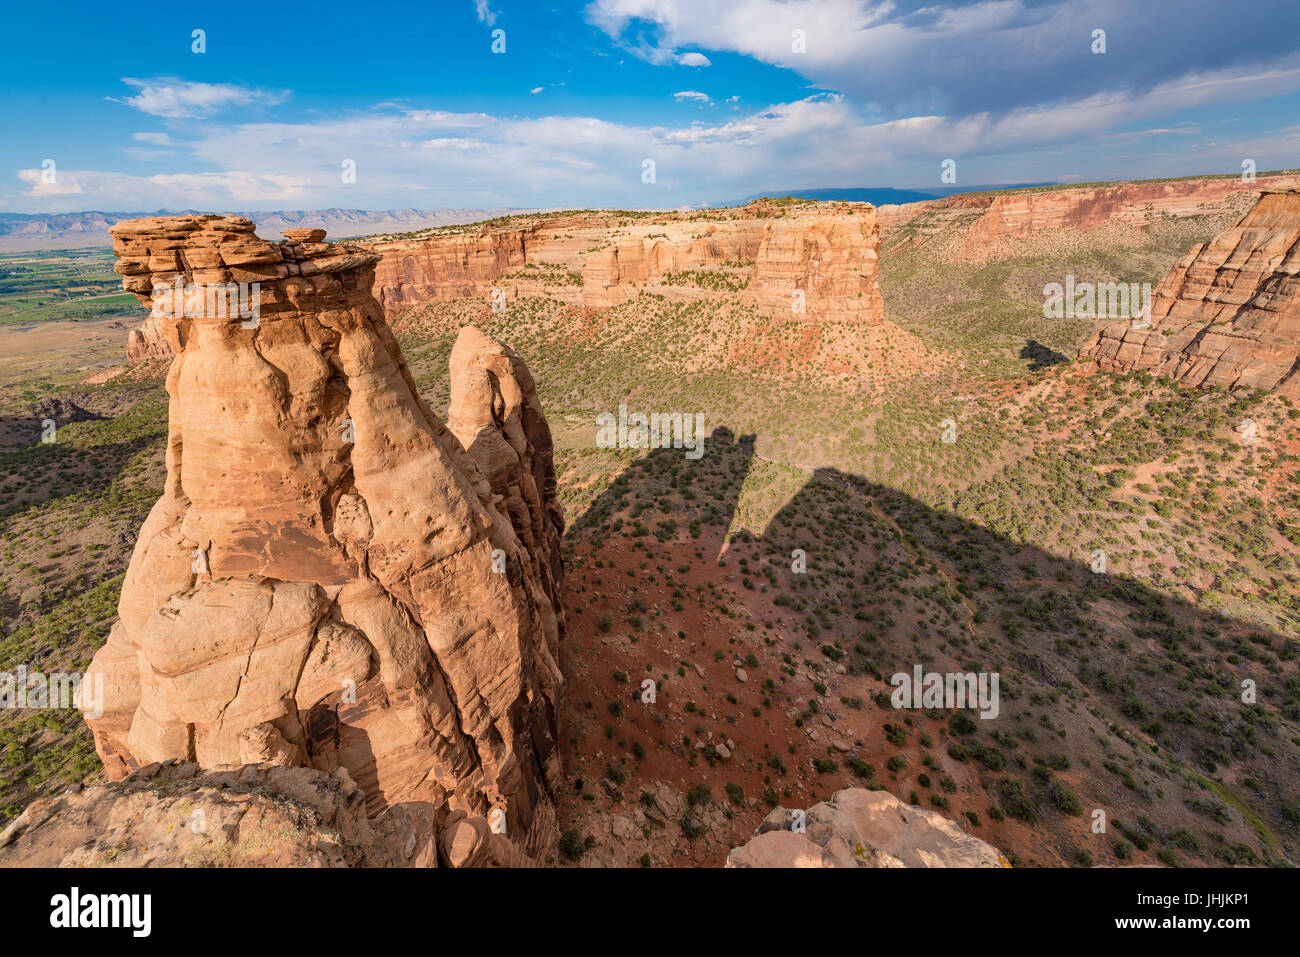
(861, 828)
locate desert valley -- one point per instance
(393, 570)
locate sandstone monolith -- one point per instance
(330, 579)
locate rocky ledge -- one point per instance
(860, 828)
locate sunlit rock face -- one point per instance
(330, 579)
(1228, 314)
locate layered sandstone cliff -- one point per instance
(450, 267)
(823, 257)
(1228, 314)
(330, 578)
(993, 218)
(824, 267)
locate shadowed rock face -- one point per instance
(861, 828)
(330, 579)
(1228, 314)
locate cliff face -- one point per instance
(147, 342)
(330, 579)
(448, 268)
(830, 260)
(1015, 215)
(1228, 314)
(829, 256)
(497, 417)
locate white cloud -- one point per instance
(486, 160)
(694, 59)
(232, 189)
(160, 145)
(62, 183)
(485, 13)
(537, 89)
(173, 98)
(986, 55)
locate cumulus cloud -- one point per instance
(694, 59)
(485, 13)
(61, 183)
(696, 96)
(172, 98)
(232, 189)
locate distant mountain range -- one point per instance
(879, 195)
(27, 231)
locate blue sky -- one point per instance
(726, 99)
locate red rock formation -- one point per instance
(1016, 214)
(178, 815)
(800, 279)
(148, 342)
(1228, 314)
(830, 260)
(827, 251)
(496, 415)
(329, 578)
(449, 267)
(611, 276)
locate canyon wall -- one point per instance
(1016, 214)
(450, 267)
(826, 253)
(1228, 314)
(332, 578)
(825, 266)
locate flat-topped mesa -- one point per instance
(329, 578)
(1228, 314)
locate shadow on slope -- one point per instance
(1114, 696)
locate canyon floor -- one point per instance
(1120, 688)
